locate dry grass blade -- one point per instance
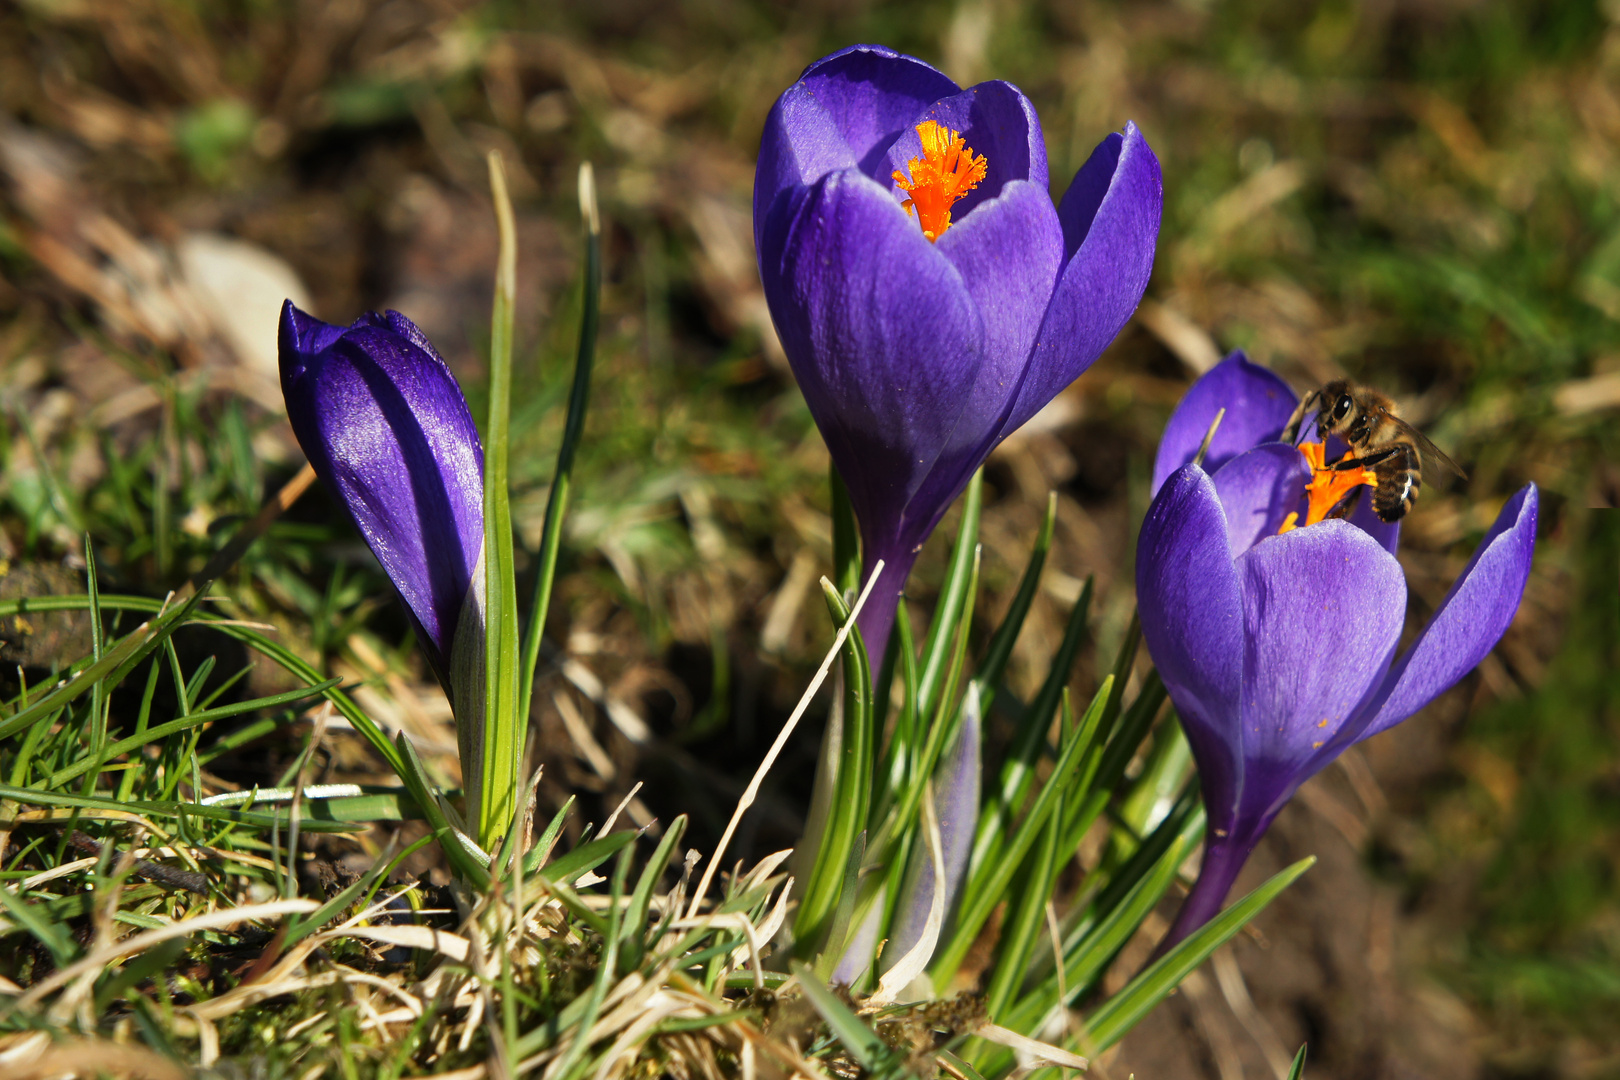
(141, 942)
(1032, 1053)
(752, 791)
(425, 938)
(91, 1058)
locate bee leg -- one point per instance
(1290, 431)
(1365, 462)
(1347, 505)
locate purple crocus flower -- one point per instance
(1280, 651)
(928, 294)
(387, 430)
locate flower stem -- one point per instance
(1223, 860)
(876, 620)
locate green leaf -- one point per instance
(1018, 770)
(984, 890)
(573, 429)
(1120, 1013)
(1027, 918)
(1088, 953)
(493, 780)
(1297, 1070)
(999, 651)
(953, 594)
(148, 808)
(849, 751)
(941, 730)
(466, 864)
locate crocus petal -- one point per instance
(1470, 620)
(1323, 608)
(1105, 277)
(1190, 604)
(998, 123)
(1387, 533)
(1258, 489)
(1257, 402)
(874, 95)
(1007, 253)
(844, 112)
(883, 336)
(385, 426)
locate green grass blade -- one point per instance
(289, 661)
(136, 741)
(863, 1044)
(588, 856)
(132, 647)
(606, 973)
(1027, 918)
(634, 932)
(31, 917)
(573, 429)
(1093, 952)
(1089, 956)
(467, 865)
(894, 770)
(548, 838)
(150, 808)
(1120, 1013)
(298, 929)
(1018, 770)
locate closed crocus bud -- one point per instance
(928, 294)
(388, 431)
(1278, 644)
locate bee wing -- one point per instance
(1431, 452)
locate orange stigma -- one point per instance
(946, 172)
(1327, 487)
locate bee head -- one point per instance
(1338, 408)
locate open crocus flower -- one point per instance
(1279, 648)
(387, 429)
(928, 294)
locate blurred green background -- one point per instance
(1421, 194)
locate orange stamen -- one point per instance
(1328, 487)
(946, 172)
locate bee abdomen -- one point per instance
(1399, 481)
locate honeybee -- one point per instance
(1378, 439)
